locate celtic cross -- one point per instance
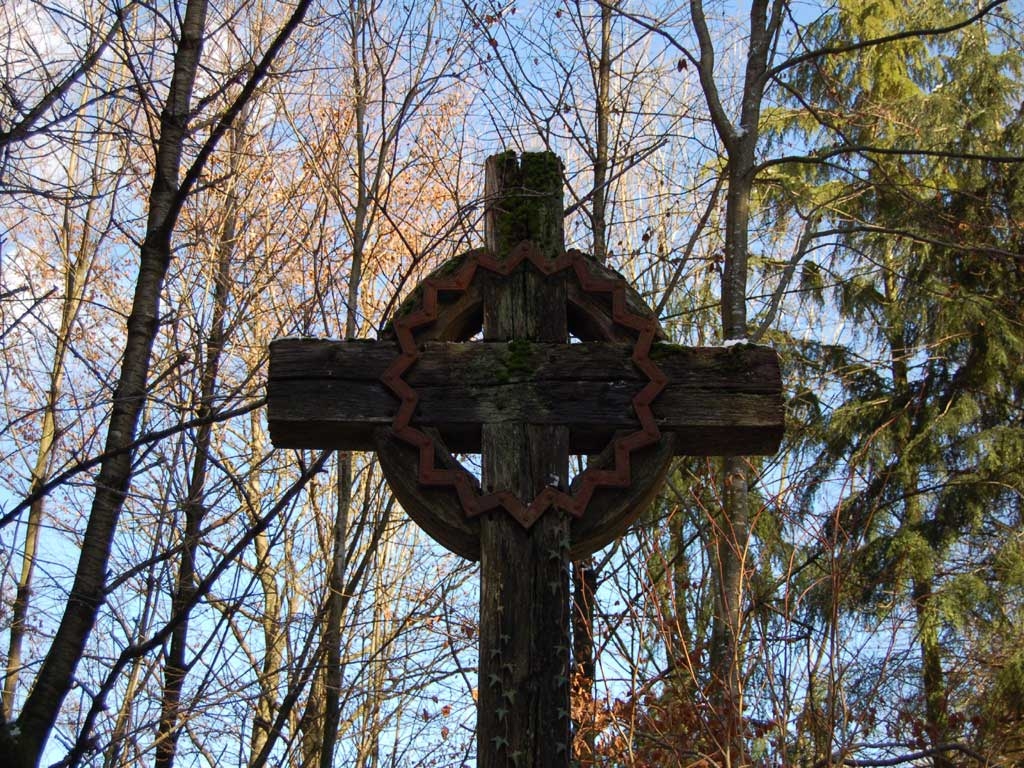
(571, 362)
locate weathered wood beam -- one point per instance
(523, 704)
(718, 400)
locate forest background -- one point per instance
(183, 181)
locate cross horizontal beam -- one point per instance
(718, 401)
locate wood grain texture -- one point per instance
(718, 401)
(523, 702)
(436, 510)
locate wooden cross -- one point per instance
(526, 399)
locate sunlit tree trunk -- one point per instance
(335, 606)
(602, 111)
(194, 508)
(78, 250)
(732, 526)
(336, 575)
(56, 674)
(369, 171)
(583, 573)
(282, 676)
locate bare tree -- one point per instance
(25, 736)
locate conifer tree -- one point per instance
(917, 150)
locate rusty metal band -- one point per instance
(473, 501)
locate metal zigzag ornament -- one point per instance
(473, 501)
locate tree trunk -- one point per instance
(731, 536)
(732, 527)
(335, 605)
(194, 508)
(584, 577)
(602, 109)
(75, 276)
(936, 713)
(584, 585)
(936, 709)
(273, 634)
(56, 675)
(336, 575)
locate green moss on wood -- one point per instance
(738, 362)
(408, 305)
(415, 297)
(530, 206)
(542, 171)
(449, 267)
(518, 361)
(663, 349)
(520, 358)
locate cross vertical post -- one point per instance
(523, 690)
